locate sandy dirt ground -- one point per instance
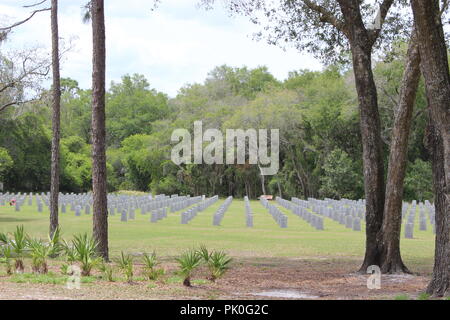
(319, 278)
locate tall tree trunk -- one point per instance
(302, 179)
(99, 186)
(361, 43)
(435, 69)
(372, 150)
(392, 221)
(263, 181)
(440, 281)
(56, 116)
(279, 187)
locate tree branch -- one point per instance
(326, 15)
(7, 86)
(23, 21)
(35, 4)
(383, 11)
(418, 114)
(25, 73)
(445, 4)
(2, 108)
(9, 104)
(395, 102)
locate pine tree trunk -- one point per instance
(99, 186)
(56, 115)
(390, 233)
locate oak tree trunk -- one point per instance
(372, 150)
(389, 236)
(56, 106)
(99, 186)
(361, 43)
(440, 282)
(435, 69)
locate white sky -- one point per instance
(174, 45)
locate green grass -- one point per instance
(199, 281)
(174, 279)
(169, 238)
(50, 278)
(402, 297)
(423, 296)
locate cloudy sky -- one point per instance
(172, 46)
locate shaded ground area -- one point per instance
(263, 278)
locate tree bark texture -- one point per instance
(389, 237)
(56, 116)
(99, 185)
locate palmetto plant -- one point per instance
(55, 244)
(204, 253)
(125, 264)
(5, 257)
(218, 264)
(64, 269)
(40, 251)
(3, 238)
(84, 252)
(19, 244)
(150, 264)
(69, 251)
(188, 262)
(107, 271)
(217, 261)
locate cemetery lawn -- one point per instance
(266, 257)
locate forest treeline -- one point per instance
(316, 112)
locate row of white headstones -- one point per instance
(350, 213)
